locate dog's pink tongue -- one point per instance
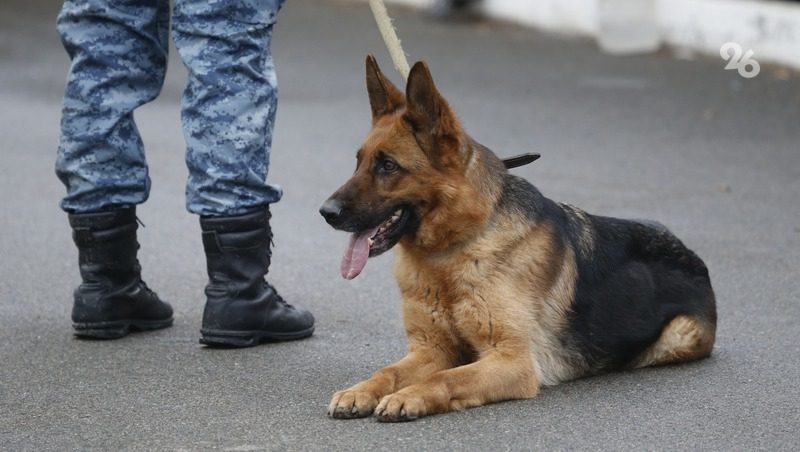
(356, 255)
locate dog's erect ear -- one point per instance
(428, 114)
(423, 111)
(384, 97)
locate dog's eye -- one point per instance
(389, 166)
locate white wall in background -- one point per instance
(770, 28)
(562, 16)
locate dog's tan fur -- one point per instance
(684, 339)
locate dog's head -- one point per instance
(409, 166)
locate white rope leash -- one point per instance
(390, 37)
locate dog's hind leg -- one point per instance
(685, 338)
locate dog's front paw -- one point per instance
(351, 404)
(400, 407)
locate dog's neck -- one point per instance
(485, 170)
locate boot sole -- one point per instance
(118, 328)
(239, 339)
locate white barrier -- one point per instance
(770, 28)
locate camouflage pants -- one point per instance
(119, 51)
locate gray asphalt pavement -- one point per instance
(714, 156)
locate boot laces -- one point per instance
(278, 297)
(147, 289)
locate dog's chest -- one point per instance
(456, 300)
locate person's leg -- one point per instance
(228, 115)
(118, 51)
(229, 104)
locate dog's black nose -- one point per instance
(331, 210)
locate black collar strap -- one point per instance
(520, 160)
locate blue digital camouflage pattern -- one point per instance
(119, 56)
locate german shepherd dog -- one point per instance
(504, 291)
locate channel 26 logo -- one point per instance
(740, 60)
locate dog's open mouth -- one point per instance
(372, 242)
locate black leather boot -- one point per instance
(112, 299)
(242, 309)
